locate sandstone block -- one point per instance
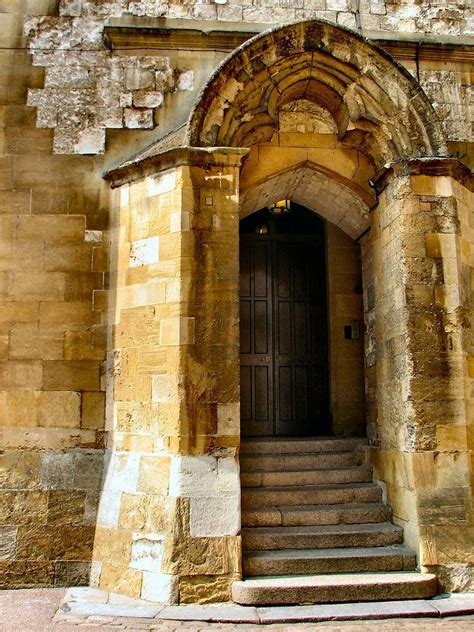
(74, 375)
(66, 257)
(23, 507)
(133, 511)
(154, 474)
(68, 573)
(443, 506)
(58, 409)
(79, 345)
(204, 476)
(144, 252)
(147, 552)
(19, 469)
(147, 99)
(39, 286)
(206, 588)
(93, 410)
(108, 509)
(36, 344)
(8, 540)
(160, 587)
(162, 183)
(163, 513)
(165, 389)
(138, 119)
(52, 228)
(113, 546)
(198, 556)
(177, 331)
(123, 580)
(122, 473)
(14, 203)
(65, 508)
(26, 573)
(21, 374)
(211, 517)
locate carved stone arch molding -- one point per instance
(377, 105)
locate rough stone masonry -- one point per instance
(119, 343)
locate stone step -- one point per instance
(298, 462)
(277, 445)
(360, 474)
(348, 513)
(321, 537)
(310, 495)
(319, 561)
(313, 589)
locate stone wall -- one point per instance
(416, 295)
(346, 356)
(88, 90)
(53, 280)
(169, 516)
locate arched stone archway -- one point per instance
(376, 104)
(189, 192)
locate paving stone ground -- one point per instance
(34, 611)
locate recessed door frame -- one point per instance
(284, 328)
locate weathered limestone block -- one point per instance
(87, 90)
(206, 588)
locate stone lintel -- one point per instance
(131, 33)
(139, 168)
(433, 166)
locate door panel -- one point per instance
(256, 359)
(284, 389)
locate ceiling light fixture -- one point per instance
(280, 208)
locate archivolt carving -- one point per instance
(376, 104)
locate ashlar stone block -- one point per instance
(147, 552)
(122, 472)
(162, 183)
(144, 252)
(160, 587)
(213, 516)
(204, 476)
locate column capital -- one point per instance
(156, 159)
(433, 166)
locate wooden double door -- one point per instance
(283, 325)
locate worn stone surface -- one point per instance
(153, 285)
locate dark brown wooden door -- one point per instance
(283, 325)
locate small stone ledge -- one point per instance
(86, 605)
(141, 167)
(429, 166)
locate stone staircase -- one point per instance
(316, 530)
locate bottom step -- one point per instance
(313, 589)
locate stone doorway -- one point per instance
(283, 325)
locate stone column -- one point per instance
(417, 305)
(169, 517)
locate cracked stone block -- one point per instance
(147, 553)
(138, 119)
(186, 80)
(147, 99)
(90, 141)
